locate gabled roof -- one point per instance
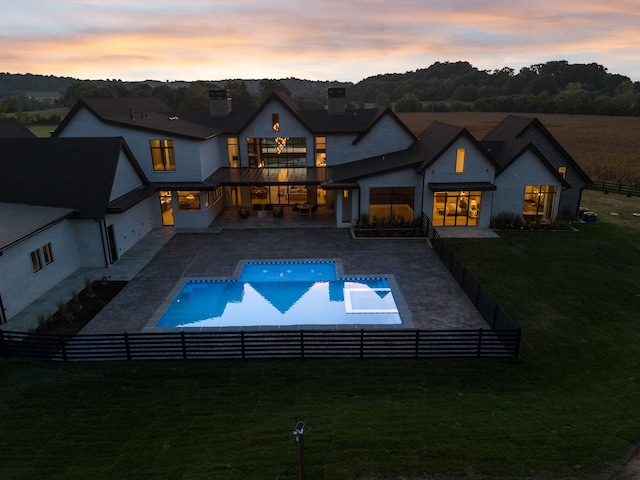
(152, 114)
(514, 126)
(12, 128)
(76, 173)
(438, 137)
(507, 152)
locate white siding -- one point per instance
(385, 137)
(126, 178)
(131, 226)
(19, 285)
(511, 183)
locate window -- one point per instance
(36, 261)
(232, 149)
(217, 194)
(47, 252)
(456, 208)
(392, 203)
(189, 200)
(460, 160)
(321, 151)
(275, 122)
(562, 171)
(277, 152)
(162, 155)
(538, 203)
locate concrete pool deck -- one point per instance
(160, 260)
(432, 296)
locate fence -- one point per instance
(615, 188)
(501, 341)
(493, 314)
(396, 343)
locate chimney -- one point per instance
(219, 103)
(336, 101)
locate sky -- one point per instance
(342, 40)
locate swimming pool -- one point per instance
(279, 293)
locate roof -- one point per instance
(461, 186)
(12, 128)
(438, 137)
(512, 127)
(349, 172)
(19, 221)
(75, 173)
(152, 114)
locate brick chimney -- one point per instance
(219, 103)
(336, 101)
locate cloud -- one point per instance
(201, 39)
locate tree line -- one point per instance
(551, 87)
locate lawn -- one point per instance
(569, 408)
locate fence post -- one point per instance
(495, 314)
(479, 352)
(126, 345)
(63, 348)
(184, 345)
(362, 343)
(2, 344)
(301, 343)
(417, 343)
(242, 344)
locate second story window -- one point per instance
(162, 155)
(460, 160)
(275, 122)
(232, 152)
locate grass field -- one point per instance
(568, 409)
(607, 148)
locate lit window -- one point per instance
(162, 155)
(232, 149)
(460, 160)
(47, 252)
(275, 122)
(36, 261)
(321, 151)
(189, 200)
(562, 171)
(345, 194)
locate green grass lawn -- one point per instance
(569, 408)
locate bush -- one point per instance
(507, 220)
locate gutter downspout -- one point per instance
(103, 229)
(3, 313)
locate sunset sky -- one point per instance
(346, 40)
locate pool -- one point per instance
(279, 293)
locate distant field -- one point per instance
(607, 148)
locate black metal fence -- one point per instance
(396, 343)
(615, 188)
(494, 315)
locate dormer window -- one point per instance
(275, 122)
(460, 160)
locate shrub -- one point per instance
(506, 220)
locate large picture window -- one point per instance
(538, 203)
(162, 155)
(391, 203)
(279, 152)
(456, 208)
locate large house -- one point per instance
(117, 168)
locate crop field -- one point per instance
(607, 148)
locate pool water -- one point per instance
(283, 294)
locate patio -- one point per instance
(431, 295)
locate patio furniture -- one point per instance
(243, 212)
(278, 212)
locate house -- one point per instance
(61, 202)
(117, 168)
